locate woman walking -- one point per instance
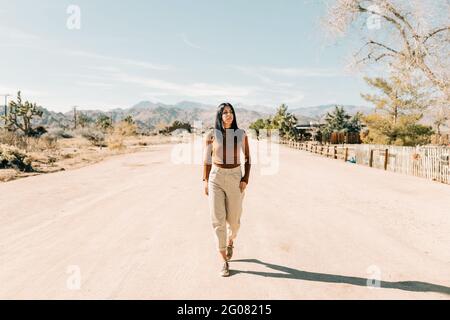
(224, 183)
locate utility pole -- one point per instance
(6, 105)
(75, 117)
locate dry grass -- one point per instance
(8, 175)
(51, 154)
(115, 142)
(28, 144)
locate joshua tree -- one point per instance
(20, 116)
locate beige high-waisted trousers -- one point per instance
(225, 203)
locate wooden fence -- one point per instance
(426, 161)
(345, 137)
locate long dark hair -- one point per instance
(219, 129)
(219, 122)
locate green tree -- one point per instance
(318, 135)
(355, 123)
(129, 119)
(406, 132)
(103, 122)
(283, 121)
(84, 120)
(397, 98)
(20, 116)
(398, 111)
(257, 126)
(340, 121)
(336, 121)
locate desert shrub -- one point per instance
(103, 123)
(28, 143)
(95, 137)
(13, 139)
(12, 157)
(38, 132)
(44, 143)
(125, 128)
(60, 133)
(115, 141)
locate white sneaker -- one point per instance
(225, 270)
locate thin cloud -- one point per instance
(268, 94)
(94, 84)
(302, 72)
(105, 69)
(131, 62)
(263, 78)
(188, 90)
(188, 42)
(265, 73)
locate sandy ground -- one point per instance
(137, 226)
(74, 153)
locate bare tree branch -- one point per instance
(433, 33)
(408, 46)
(383, 56)
(394, 22)
(401, 17)
(383, 46)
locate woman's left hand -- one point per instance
(242, 186)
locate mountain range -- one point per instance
(151, 115)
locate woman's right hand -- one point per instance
(206, 188)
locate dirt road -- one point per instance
(137, 227)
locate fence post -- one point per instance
(346, 154)
(371, 158)
(386, 157)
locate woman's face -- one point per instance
(227, 117)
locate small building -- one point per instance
(308, 131)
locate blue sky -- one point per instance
(249, 52)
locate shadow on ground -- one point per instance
(289, 273)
